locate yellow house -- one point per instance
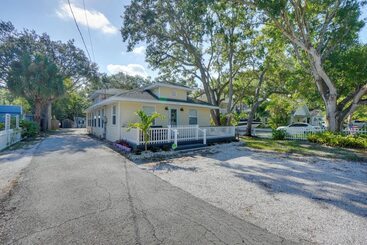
(185, 118)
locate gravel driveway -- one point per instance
(317, 200)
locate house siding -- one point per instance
(113, 131)
(172, 93)
(128, 110)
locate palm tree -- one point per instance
(146, 122)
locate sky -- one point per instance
(104, 19)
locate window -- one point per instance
(114, 115)
(149, 110)
(298, 125)
(193, 117)
(94, 120)
(99, 118)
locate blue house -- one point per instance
(13, 110)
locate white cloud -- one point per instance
(139, 50)
(96, 20)
(130, 69)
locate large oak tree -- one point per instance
(196, 40)
(317, 29)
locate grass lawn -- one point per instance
(304, 148)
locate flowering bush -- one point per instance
(123, 145)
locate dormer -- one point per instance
(169, 91)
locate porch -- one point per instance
(182, 134)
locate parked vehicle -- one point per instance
(359, 123)
(297, 128)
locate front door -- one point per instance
(173, 117)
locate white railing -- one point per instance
(9, 137)
(220, 132)
(176, 134)
(355, 131)
(156, 136)
(186, 133)
(300, 133)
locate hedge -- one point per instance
(339, 140)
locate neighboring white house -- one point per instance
(303, 115)
(110, 115)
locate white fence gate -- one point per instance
(10, 136)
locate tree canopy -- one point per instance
(319, 31)
(206, 41)
(35, 67)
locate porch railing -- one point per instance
(176, 134)
(221, 131)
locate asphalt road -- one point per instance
(77, 191)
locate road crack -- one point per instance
(132, 208)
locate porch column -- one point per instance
(204, 141)
(175, 142)
(169, 134)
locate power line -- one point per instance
(77, 26)
(90, 38)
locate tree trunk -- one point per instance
(230, 85)
(327, 91)
(48, 115)
(37, 111)
(256, 103)
(249, 122)
(215, 116)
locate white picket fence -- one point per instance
(176, 134)
(300, 133)
(10, 136)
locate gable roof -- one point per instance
(168, 85)
(146, 96)
(302, 111)
(108, 91)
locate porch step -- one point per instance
(189, 146)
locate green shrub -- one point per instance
(2, 126)
(30, 129)
(340, 140)
(278, 134)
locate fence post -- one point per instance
(169, 133)
(197, 132)
(17, 121)
(7, 121)
(204, 135)
(7, 128)
(176, 132)
(138, 136)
